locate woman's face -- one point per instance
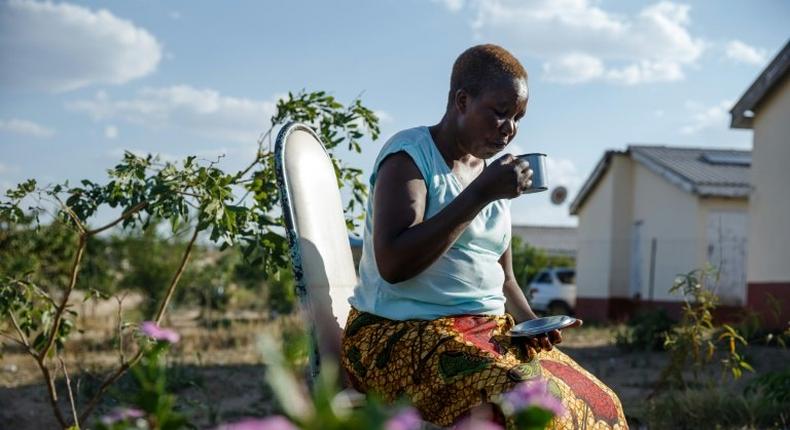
(489, 121)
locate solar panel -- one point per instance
(728, 159)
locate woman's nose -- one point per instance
(508, 127)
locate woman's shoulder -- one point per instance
(412, 137)
(413, 141)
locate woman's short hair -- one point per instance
(480, 66)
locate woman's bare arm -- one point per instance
(406, 244)
(515, 302)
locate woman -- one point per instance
(437, 293)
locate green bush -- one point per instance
(773, 386)
(528, 261)
(646, 331)
(714, 408)
(694, 341)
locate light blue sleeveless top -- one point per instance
(467, 279)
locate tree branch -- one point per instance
(106, 384)
(75, 268)
(158, 318)
(71, 214)
(120, 327)
(181, 267)
(53, 395)
(259, 155)
(133, 210)
(22, 338)
(71, 393)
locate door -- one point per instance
(727, 252)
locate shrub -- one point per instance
(773, 386)
(714, 408)
(692, 343)
(646, 331)
(528, 261)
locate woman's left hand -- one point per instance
(545, 342)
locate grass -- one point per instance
(714, 408)
(217, 374)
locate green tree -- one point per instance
(193, 196)
(528, 261)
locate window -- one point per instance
(567, 276)
(543, 278)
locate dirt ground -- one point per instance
(219, 373)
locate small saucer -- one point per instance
(541, 325)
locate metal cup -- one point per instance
(537, 162)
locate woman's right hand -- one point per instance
(505, 178)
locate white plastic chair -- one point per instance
(320, 251)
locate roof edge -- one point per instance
(592, 180)
(665, 172)
(742, 113)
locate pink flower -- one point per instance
(406, 419)
(275, 422)
(121, 414)
(533, 393)
(474, 423)
(152, 330)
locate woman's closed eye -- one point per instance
(503, 114)
(499, 113)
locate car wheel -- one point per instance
(558, 308)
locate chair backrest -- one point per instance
(316, 228)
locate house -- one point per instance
(765, 108)
(650, 213)
(555, 241)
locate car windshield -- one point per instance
(567, 276)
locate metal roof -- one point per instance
(693, 170)
(700, 171)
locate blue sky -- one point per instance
(82, 81)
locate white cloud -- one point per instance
(61, 47)
(716, 116)
(111, 132)
(384, 116)
(204, 112)
(562, 171)
(743, 53)
(26, 128)
(537, 209)
(581, 42)
(451, 5)
(573, 68)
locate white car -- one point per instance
(553, 291)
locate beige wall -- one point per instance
(671, 215)
(769, 211)
(594, 232)
(622, 220)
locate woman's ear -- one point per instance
(461, 101)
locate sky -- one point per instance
(81, 82)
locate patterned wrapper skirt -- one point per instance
(449, 365)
